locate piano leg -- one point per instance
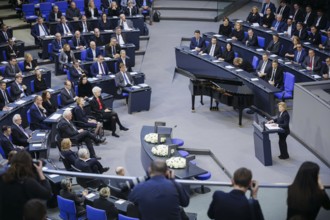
(240, 113)
(193, 103)
(202, 100)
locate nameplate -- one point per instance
(37, 145)
(55, 116)
(90, 195)
(120, 201)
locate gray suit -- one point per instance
(64, 59)
(129, 23)
(11, 71)
(120, 81)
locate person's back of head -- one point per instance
(242, 177)
(104, 192)
(158, 167)
(83, 153)
(35, 209)
(120, 171)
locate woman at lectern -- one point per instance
(282, 121)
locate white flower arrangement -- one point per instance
(153, 138)
(176, 162)
(161, 150)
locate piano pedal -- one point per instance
(193, 110)
(214, 108)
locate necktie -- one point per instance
(307, 16)
(55, 16)
(40, 111)
(298, 56)
(74, 127)
(212, 51)
(294, 16)
(273, 75)
(263, 67)
(66, 29)
(100, 104)
(22, 129)
(85, 27)
(6, 36)
(77, 41)
(311, 62)
(197, 40)
(102, 69)
(281, 11)
(130, 11)
(5, 97)
(70, 94)
(113, 50)
(299, 33)
(276, 25)
(126, 79)
(318, 21)
(60, 44)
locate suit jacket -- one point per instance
(95, 105)
(285, 29)
(82, 42)
(325, 69)
(80, 115)
(285, 13)
(99, 41)
(109, 207)
(168, 194)
(104, 26)
(128, 66)
(10, 71)
(123, 35)
(251, 41)
(2, 99)
(120, 81)
(246, 66)
(50, 107)
(15, 92)
(6, 144)
(217, 50)
(70, 13)
(90, 26)
(33, 65)
(134, 11)
(226, 206)
(51, 17)
(18, 137)
(75, 75)
(12, 51)
(88, 13)
(59, 28)
(326, 44)
(302, 34)
(109, 52)
(95, 69)
(139, 3)
(283, 121)
(35, 30)
(64, 59)
(314, 39)
(37, 117)
(66, 129)
(317, 63)
(3, 38)
(278, 77)
(271, 6)
(310, 20)
(279, 26)
(200, 44)
(89, 54)
(274, 47)
(112, 13)
(238, 34)
(228, 56)
(299, 16)
(56, 46)
(39, 85)
(301, 58)
(70, 156)
(253, 18)
(268, 68)
(66, 98)
(268, 21)
(129, 24)
(322, 24)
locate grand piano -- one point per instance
(222, 83)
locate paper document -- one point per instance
(229, 67)
(108, 30)
(41, 134)
(239, 70)
(37, 145)
(254, 79)
(19, 102)
(269, 31)
(55, 116)
(255, 25)
(217, 35)
(316, 76)
(112, 76)
(216, 61)
(272, 126)
(273, 55)
(50, 90)
(307, 43)
(133, 73)
(229, 39)
(239, 21)
(68, 109)
(287, 63)
(90, 195)
(143, 85)
(259, 49)
(120, 201)
(53, 175)
(204, 54)
(135, 87)
(107, 58)
(280, 33)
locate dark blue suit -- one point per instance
(89, 54)
(57, 46)
(285, 29)
(59, 28)
(271, 6)
(82, 42)
(36, 33)
(279, 26)
(158, 198)
(301, 58)
(95, 69)
(37, 118)
(232, 205)
(201, 44)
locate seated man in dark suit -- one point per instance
(12, 50)
(299, 54)
(300, 31)
(55, 15)
(63, 27)
(197, 43)
(213, 49)
(278, 24)
(6, 143)
(264, 67)
(78, 41)
(76, 71)
(121, 37)
(98, 38)
(5, 98)
(58, 43)
(73, 13)
(112, 49)
(312, 62)
(243, 64)
(314, 37)
(297, 14)
(19, 136)
(226, 205)
(274, 46)
(288, 28)
(123, 78)
(309, 16)
(325, 71)
(12, 68)
(38, 115)
(284, 10)
(320, 21)
(38, 30)
(98, 106)
(251, 39)
(124, 23)
(326, 44)
(99, 68)
(124, 59)
(84, 25)
(92, 52)
(275, 77)
(17, 89)
(5, 35)
(68, 95)
(66, 129)
(131, 10)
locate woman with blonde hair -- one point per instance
(103, 203)
(254, 16)
(238, 32)
(29, 63)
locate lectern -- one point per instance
(262, 146)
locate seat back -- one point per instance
(28, 116)
(76, 89)
(236, 54)
(261, 42)
(2, 153)
(67, 72)
(207, 43)
(62, 6)
(67, 208)
(70, 42)
(59, 100)
(289, 81)
(8, 90)
(45, 8)
(28, 9)
(2, 70)
(81, 5)
(95, 214)
(323, 39)
(32, 86)
(21, 65)
(4, 56)
(97, 4)
(83, 55)
(255, 61)
(124, 217)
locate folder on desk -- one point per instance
(19, 102)
(259, 49)
(50, 90)
(133, 73)
(143, 85)
(90, 195)
(55, 116)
